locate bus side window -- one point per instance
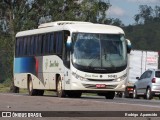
(17, 49)
(29, 45)
(55, 42)
(39, 45)
(59, 43)
(32, 45)
(21, 46)
(51, 43)
(43, 44)
(25, 46)
(36, 45)
(47, 44)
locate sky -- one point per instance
(126, 9)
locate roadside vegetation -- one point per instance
(145, 33)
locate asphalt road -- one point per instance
(80, 108)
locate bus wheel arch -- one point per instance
(74, 94)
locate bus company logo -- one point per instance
(54, 64)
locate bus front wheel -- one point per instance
(74, 94)
(110, 95)
(60, 91)
(40, 92)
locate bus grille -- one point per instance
(94, 86)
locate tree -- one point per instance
(145, 35)
(96, 12)
(157, 14)
(77, 10)
(14, 16)
(147, 14)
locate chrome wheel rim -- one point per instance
(59, 87)
(30, 86)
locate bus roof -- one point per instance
(85, 27)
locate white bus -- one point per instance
(71, 58)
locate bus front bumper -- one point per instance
(103, 86)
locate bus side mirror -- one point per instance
(128, 45)
(69, 43)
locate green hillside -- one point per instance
(145, 36)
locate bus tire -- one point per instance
(110, 95)
(31, 91)
(40, 92)
(60, 91)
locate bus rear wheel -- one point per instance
(32, 92)
(74, 94)
(60, 91)
(40, 92)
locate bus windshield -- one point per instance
(99, 51)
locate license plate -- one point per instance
(100, 86)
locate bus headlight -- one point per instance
(121, 78)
